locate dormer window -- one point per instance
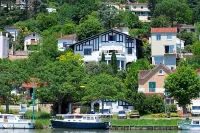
(160, 72)
(112, 38)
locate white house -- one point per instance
(4, 46)
(31, 39)
(66, 41)
(51, 10)
(140, 9)
(163, 46)
(126, 47)
(14, 31)
(111, 106)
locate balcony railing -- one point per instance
(110, 54)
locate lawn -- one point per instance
(145, 122)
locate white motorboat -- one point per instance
(193, 126)
(10, 121)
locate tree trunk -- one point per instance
(59, 107)
(184, 109)
(102, 106)
(7, 105)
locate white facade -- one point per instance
(66, 41)
(164, 47)
(51, 10)
(14, 31)
(31, 39)
(112, 106)
(107, 42)
(4, 46)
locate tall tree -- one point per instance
(183, 85)
(63, 78)
(176, 10)
(88, 28)
(160, 21)
(114, 62)
(152, 6)
(108, 15)
(12, 74)
(103, 57)
(103, 87)
(131, 20)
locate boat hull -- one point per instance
(16, 125)
(79, 125)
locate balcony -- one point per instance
(110, 54)
(169, 50)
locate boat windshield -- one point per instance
(68, 117)
(196, 122)
(78, 117)
(195, 107)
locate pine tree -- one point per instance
(103, 57)
(114, 62)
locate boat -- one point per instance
(80, 121)
(10, 121)
(193, 126)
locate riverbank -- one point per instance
(123, 124)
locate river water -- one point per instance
(90, 131)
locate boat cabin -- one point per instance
(195, 122)
(82, 118)
(8, 118)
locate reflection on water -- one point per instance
(90, 131)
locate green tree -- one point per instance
(106, 68)
(175, 10)
(183, 85)
(196, 49)
(187, 37)
(13, 74)
(100, 87)
(131, 20)
(92, 68)
(152, 6)
(131, 81)
(114, 62)
(108, 15)
(103, 57)
(160, 21)
(88, 28)
(63, 78)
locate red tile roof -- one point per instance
(163, 30)
(198, 70)
(68, 37)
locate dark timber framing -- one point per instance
(98, 38)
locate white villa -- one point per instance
(31, 39)
(125, 47)
(140, 9)
(4, 46)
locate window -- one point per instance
(169, 49)
(130, 51)
(33, 34)
(158, 37)
(134, 7)
(112, 38)
(65, 44)
(160, 72)
(87, 51)
(169, 37)
(152, 86)
(172, 68)
(33, 41)
(141, 7)
(122, 64)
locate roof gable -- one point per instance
(147, 74)
(163, 30)
(68, 37)
(33, 33)
(105, 32)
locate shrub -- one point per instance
(174, 114)
(85, 110)
(171, 108)
(38, 115)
